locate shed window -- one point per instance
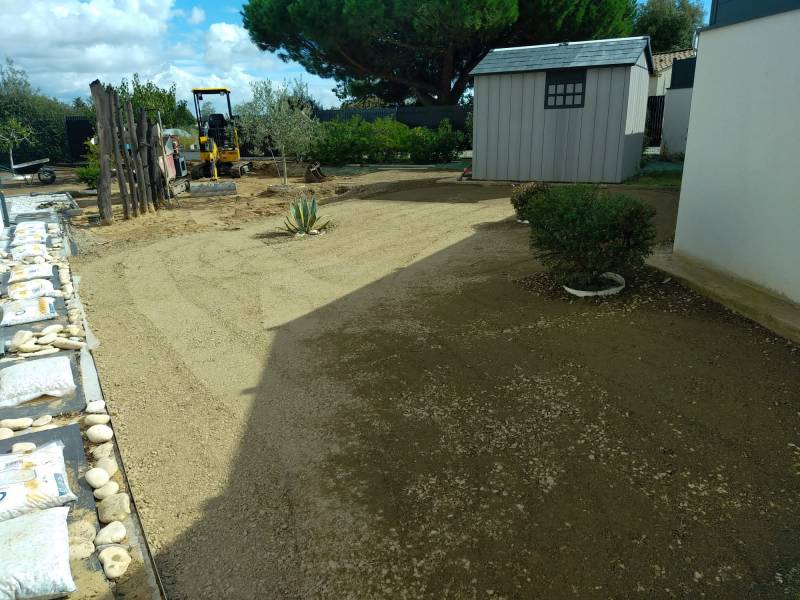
(565, 89)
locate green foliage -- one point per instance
(385, 141)
(439, 146)
(90, 173)
(387, 138)
(580, 232)
(469, 123)
(13, 133)
(523, 194)
(149, 96)
(419, 50)
(303, 217)
(669, 23)
(206, 109)
(44, 116)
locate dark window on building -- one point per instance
(565, 89)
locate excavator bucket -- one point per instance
(217, 188)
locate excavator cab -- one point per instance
(218, 137)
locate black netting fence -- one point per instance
(413, 116)
(59, 138)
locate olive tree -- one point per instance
(12, 134)
(279, 117)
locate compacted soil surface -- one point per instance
(407, 407)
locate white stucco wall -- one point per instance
(677, 105)
(740, 199)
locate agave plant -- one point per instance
(303, 217)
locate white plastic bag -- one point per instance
(35, 288)
(20, 252)
(35, 561)
(26, 272)
(33, 379)
(29, 238)
(17, 312)
(33, 480)
(26, 227)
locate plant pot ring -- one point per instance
(618, 279)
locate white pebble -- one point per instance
(96, 419)
(113, 533)
(98, 434)
(114, 508)
(6, 433)
(115, 561)
(46, 339)
(17, 424)
(43, 420)
(23, 447)
(52, 329)
(97, 477)
(109, 489)
(108, 464)
(102, 451)
(96, 406)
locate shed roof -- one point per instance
(566, 55)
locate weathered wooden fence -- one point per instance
(134, 147)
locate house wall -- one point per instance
(660, 82)
(740, 198)
(516, 139)
(676, 120)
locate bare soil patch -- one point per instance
(407, 408)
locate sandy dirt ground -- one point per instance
(405, 407)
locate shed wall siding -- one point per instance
(516, 139)
(635, 119)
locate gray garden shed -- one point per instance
(561, 112)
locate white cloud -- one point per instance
(197, 16)
(65, 44)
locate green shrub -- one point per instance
(385, 141)
(580, 232)
(439, 146)
(342, 142)
(522, 194)
(90, 174)
(388, 140)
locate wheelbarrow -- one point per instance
(25, 171)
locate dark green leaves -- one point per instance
(581, 231)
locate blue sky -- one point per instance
(65, 44)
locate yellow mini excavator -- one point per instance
(219, 143)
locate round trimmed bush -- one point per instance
(579, 232)
(523, 193)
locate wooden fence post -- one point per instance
(128, 164)
(156, 176)
(133, 182)
(116, 129)
(141, 134)
(141, 182)
(104, 140)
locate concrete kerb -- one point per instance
(762, 306)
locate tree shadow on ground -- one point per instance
(453, 431)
